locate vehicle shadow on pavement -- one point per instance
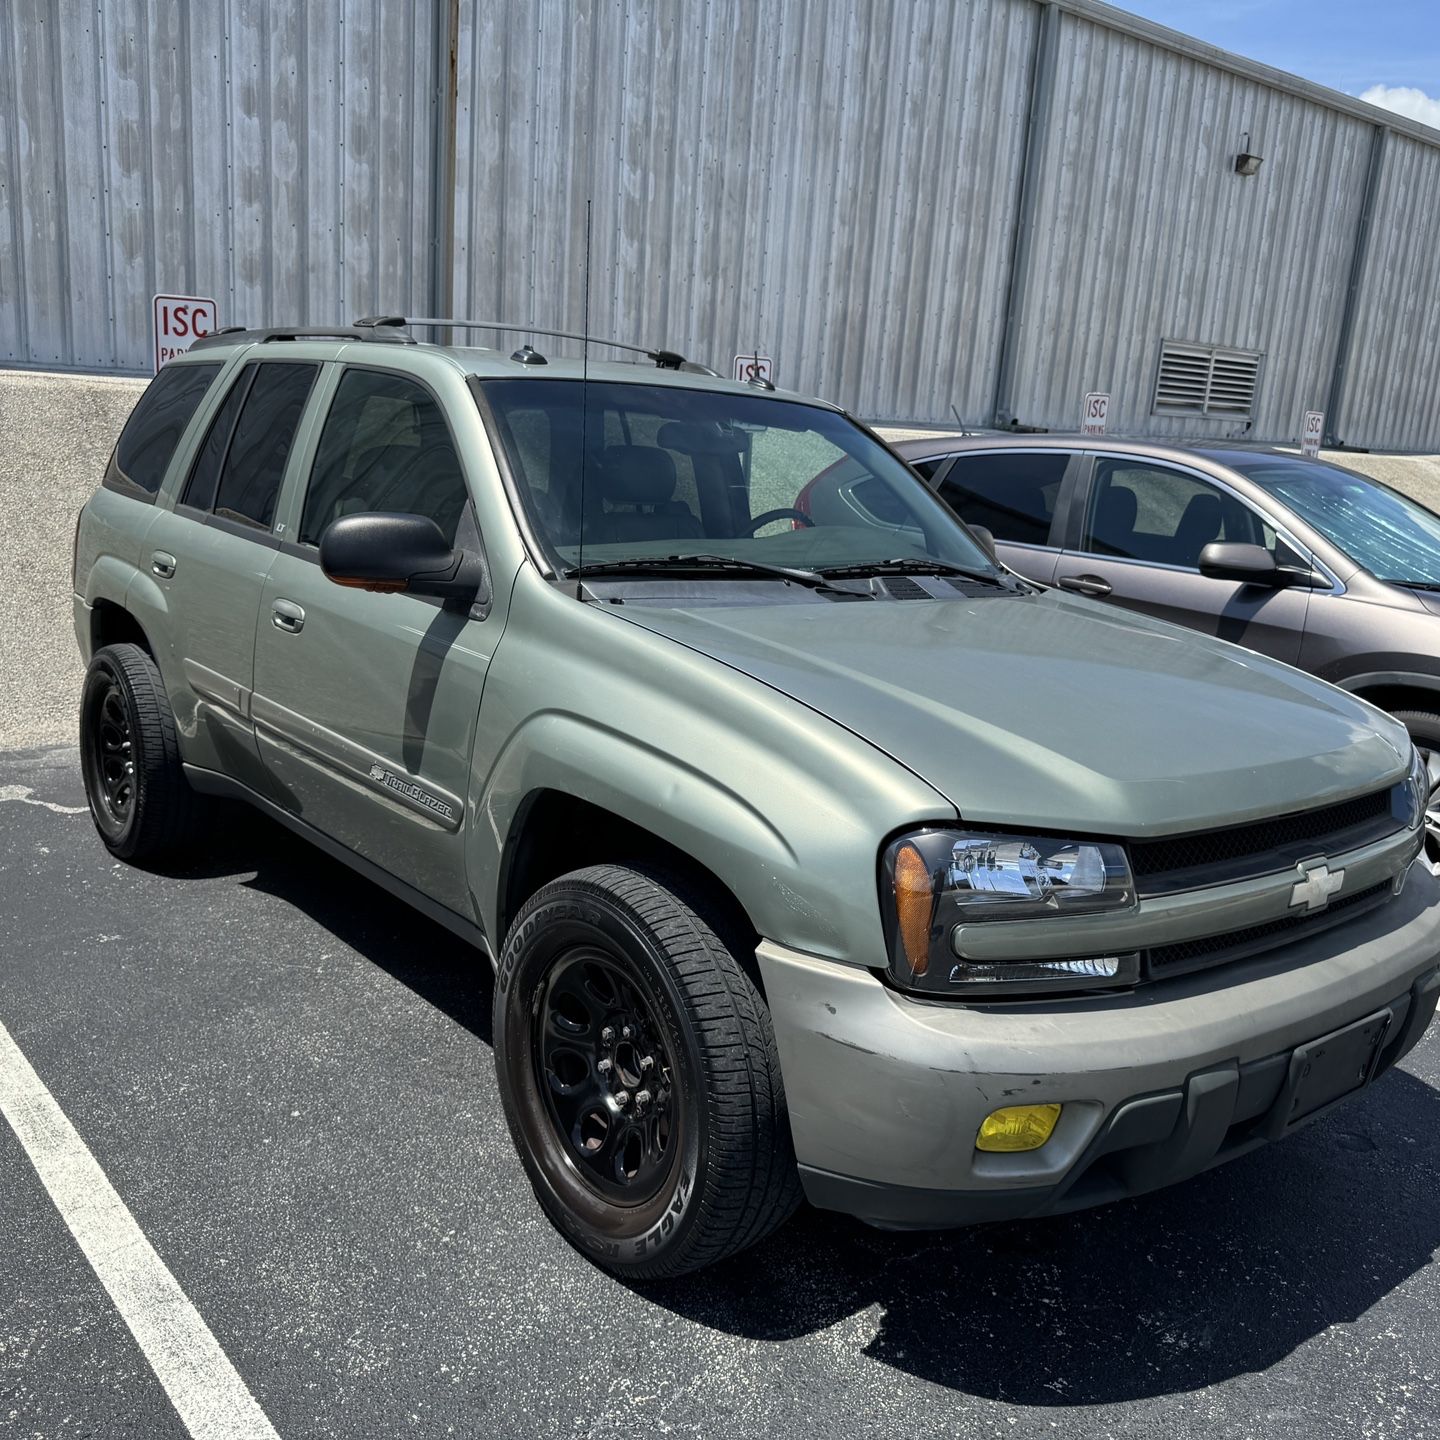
(1178, 1290)
(439, 967)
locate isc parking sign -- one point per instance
(180, 320)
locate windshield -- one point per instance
(674, 471)
(1392, 537)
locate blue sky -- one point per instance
(1390, 43)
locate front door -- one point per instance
(365, 704)
(1145, 525)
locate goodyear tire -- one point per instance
(139, 798)
(639, 1075)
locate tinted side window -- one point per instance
(260, 444)
(1011, 493)
(205, 472)
(385, 446)
(1141, 511)
(928, 467)
(154, 428)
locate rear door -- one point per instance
(1017, 496)
(1144, 524)
(365, 704)
(210, 557)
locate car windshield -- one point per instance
(617, 472)
(1392, 537)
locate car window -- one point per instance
(1143, 511)
(238, 471)
(385, 446)
(627, 471)
(1012, 493)
(148, 441)
(1391, 536)
(928, 467)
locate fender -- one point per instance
(816, 885)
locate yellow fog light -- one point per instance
(1017, 1127)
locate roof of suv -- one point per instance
(394, 347)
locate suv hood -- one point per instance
(1059, 713)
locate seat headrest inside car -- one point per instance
(636, 475)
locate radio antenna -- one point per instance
(584, 411)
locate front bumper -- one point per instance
(886, 1092)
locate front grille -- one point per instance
(1166, 960)
(1212, 856)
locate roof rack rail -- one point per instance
(240, 335)
(664, 359)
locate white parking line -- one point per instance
(202, 1384)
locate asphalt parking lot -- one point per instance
(286, 1077)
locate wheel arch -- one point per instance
(1392, 692)
(555, 832)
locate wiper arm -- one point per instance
(725, 564)
(909, 566)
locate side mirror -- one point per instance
(1249, 564)
(397, 554)
(986, 539)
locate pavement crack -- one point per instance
(26, 796)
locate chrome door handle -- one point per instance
(1091, 585)
(162, 565)
(288, 616)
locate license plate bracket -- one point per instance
(1333, 1066)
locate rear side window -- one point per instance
(154, 428)
(238, 472)
(385, 446)
(1011, 493)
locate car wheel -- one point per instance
(1424, 728)
(639, 1075)
(139, 798)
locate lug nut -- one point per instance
(622, 1097)
(603, 1066)
(647, 1061)
(607, 1036)
(626, 1032)
(642, 1099)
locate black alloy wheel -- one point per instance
(638, 1071)
(604, 1069)
(135, 783)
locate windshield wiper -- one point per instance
(1415, 584)
(705, 564)
(902, 565)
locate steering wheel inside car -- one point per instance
(783, 513)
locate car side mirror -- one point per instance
(398, 554)
(1249, 564)
(986, 539)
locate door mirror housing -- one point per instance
(398, 554)
(986, 539)
(1249, 564)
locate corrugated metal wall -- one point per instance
(832, 183)
(1144, 232)
(1392, 394)
(274, 156)
(840, 184)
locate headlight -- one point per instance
(936, 881)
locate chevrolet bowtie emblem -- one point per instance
(1317, 883)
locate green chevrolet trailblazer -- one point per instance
(816, 854)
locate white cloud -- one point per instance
(1406, 100)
